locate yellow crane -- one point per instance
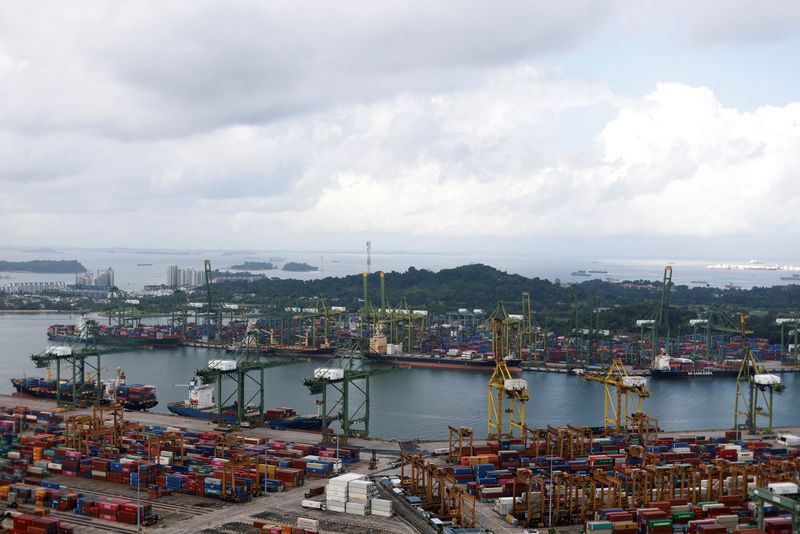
(629, 393)
(502, 386)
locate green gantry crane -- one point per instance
(759, 388)
(79, 356)
(345, 371)
(246, 366)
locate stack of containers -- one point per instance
(359, 494)
(598, 527)
(337, 490)
(212, 487)
(381, 507)
(308, 525)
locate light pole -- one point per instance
(138, 497)
(550, 505)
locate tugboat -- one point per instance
(131, 397)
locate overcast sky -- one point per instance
(447, 125)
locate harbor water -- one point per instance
(136, 268)
(416, 403)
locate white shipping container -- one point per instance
(515, 384)
(308, 524)
(307, 503)
(783, 488)
(634, 381)
(222, 365)
(766, 379)
(329, 374)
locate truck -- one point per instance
(316, 505)
(313, 492)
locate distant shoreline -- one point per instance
(38, 312)
(43, 267)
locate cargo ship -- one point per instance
(130, 396)
(666, 367)
(151, 336)
(200, 404)
(451, 359)
(300, 351)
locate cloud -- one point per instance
(153, 70)
(206, 124)
(673, 163)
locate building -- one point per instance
(33, 288)
(173, 274)
(177, 277)
(102, 278)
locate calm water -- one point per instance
(416, 403)
(130, 275)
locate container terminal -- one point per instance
(77, 466)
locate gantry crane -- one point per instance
(660, 323)
(345, 370)
(630, 389)
(760, 388)
(503, 386)
(794, 322)
(247, 365)
(79, 356)
(213, 312)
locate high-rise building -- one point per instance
(102, 278)
(173, 274)
(177, 277)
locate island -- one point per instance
(254, 266)
(42, 266)
(299, 267)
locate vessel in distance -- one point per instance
(155, 336)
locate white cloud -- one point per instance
(673, 163)
(205, 124)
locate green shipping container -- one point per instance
(683, 516)
(652, 523)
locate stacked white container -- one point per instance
(308, 525)
(359, 495)
(382, 507)
(336, 493)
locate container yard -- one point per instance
(103, 470)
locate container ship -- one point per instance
(666, 367)
(300, 351)
(200, 404)
(130, 396)
(439, 358)
(145, 335)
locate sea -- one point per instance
(135, 268)
(407, 404)
(414, 403)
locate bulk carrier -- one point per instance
(131, 397)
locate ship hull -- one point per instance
(295, 422)
(301, 352)
(693, 374)
(164, 343)
(441, 363)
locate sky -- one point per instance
(639, 128)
